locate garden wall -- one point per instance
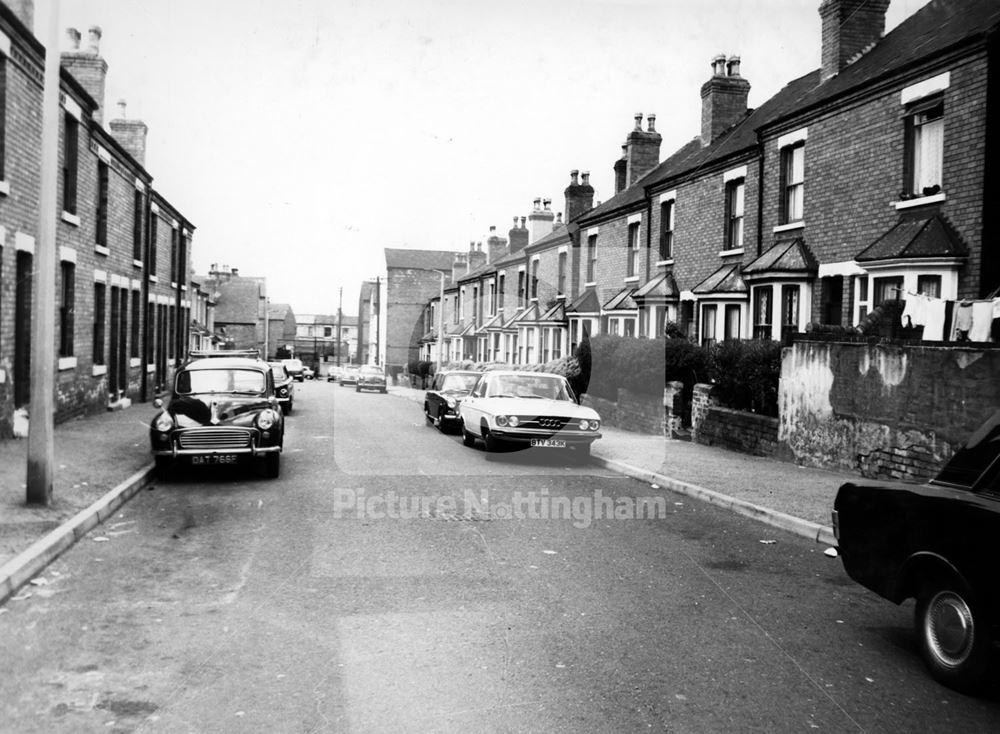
(886, 410)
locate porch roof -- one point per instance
(622, 301)
(785, 256)
(915, 238)
(661, 287)
(726, 279)
(586, 302)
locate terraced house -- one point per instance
(864, 180)
(123, 249)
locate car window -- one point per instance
(531, 386)
(457, 382)
(208, 380)
(371, 371)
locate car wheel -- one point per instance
(581, 454)
(272, 465)
(384, 390)
(357, 389)
(954, 635)
(427, 415)
(289, 411)
(493, 444)
(468, 439)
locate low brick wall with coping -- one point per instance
(750, 433)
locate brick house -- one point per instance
(241, 311)
(121, 279)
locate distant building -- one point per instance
(241, 305)
(327, 338)
(281, 329)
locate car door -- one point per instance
(434, 397)
(470, 409)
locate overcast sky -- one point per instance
(301, 137)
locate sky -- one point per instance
(301, 137)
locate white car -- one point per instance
(527, 409)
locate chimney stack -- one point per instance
(642, 151)
(477, 258)
(723, 98)
(850, 27)
(460, 267)
(87, 66)
(540, 221)
(579, 196)
(621, 165)
(518, 236)
(130, 134)
(496, 245)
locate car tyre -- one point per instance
(162, 466)
(581, 454)
(289, 411)
(427, 415)
(468, 439)
(493, 444)
(384, 390)
(272, 465)
(954, 635)
(357, 389)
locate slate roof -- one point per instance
(278, 311)
(938, 27)
(586, 302)
(622, 301)
(661, 286)
(724, 280)
(915, 238)
(530, 314)
(556, 314)
(428, 259)
(787, 256)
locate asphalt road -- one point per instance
(392, 580)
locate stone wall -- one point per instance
(749, 433)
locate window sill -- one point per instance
(137, 263)
(4, 188)
(153, 279)
(67, 363)
(102, 250)
(727, 253)
(921, 201)
(99, 370)
(71, 219)
(134, 362)
(789, 227)
(150, 368)
(632, 279)
(669, 261)
(591, 284)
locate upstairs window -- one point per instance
(501, 285)
(521, 293)
(591, 257)
(3, 117)
(534, 280)
(152, 243)
(561, 284)
(102, 204)
(67, 308)
(924, 147)
(99, 313)
(793, 169)
(633, 249)
(71, 144)
(667, 230)
(734, 214)
(137, 226)
(174, 253)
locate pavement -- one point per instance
(103, 460)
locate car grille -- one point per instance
(549, 423)
(215, 438)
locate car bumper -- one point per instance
(371, 385)
(210, 442)
(525, 437)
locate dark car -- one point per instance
(221, 411)
(934, 542)
(371, 377)
(441, 401)
(284, 387)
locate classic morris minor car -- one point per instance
(221, 411)
(441, 401)
(934, 542)
(284, 387)
(371, 377)
(508, 409)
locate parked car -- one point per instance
(934, 542)
(295, 369)
(441, 401)
(284, 387)
(527, 409)
(370, 377)
(349, 375)
(308, 373)
(221, 411)
(333, 373)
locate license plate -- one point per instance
(214, 459)
(548, 443)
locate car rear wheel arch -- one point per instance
(920, 570)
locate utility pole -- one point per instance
(340, 319)
(41, 413)
(378, 310)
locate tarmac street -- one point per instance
(394, 580)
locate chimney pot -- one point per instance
(719, 65)
(559, 218)
(733, 65)
(538, 204)
(73, 35)
(638, 121)
(493, 228)
(121, 109)
(547, 203)
(94, 34)
(586, 178)
(651, 119)
(574, 177)
(523, 219)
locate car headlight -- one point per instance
(513, 421)
(163, 422)
(501, 420)
(452, 402)
(266, 419)
(584, 424)
(594, 425)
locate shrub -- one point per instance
(746, 374)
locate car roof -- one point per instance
(525, 373)
(461, 372)
(223, 363)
